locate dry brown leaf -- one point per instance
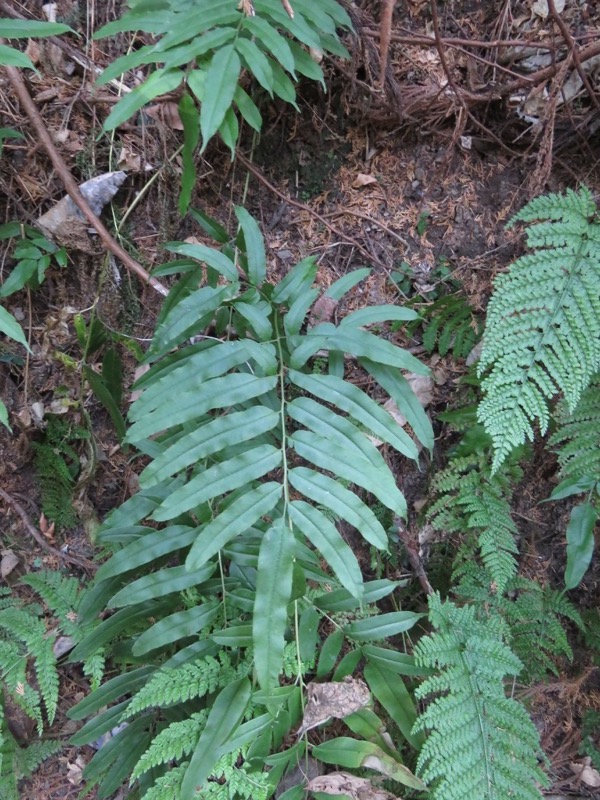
(33, 51)
(167, 113)
(362, 179)
(586, 773)
(8, 563)
(128, 160)
(333, 701)
(323, 310)
(337, 783)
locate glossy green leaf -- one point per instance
(19, 276)
(210, 226)
(149, 22)
(222, 78)
(248, 109)
(109, 629)
(580, 543)
(255, 246)
(4, 415)
(190, 119)
(256, 60)
(330, 493)
(11, 57)
(103, 393)
(382, 626)
(571, 486)
(358, 405)
(340, 600)
(306, 65)
(224, 718)
(11, 328)
(249, 465)
(206, 255)
(298, 280)
(30, 28)
(99, 725)
(342, 461)
(323, 535)
(282, 85)
(258, 317)
(147, 549)
(402, 663)
(176, 626)
(160, 82)
(160, 583)
(294, 319)
(238, 517)
(123, 684)
(376, 314)
(212, 437)
(275, 43)
(352, 753)
(346, 283)
(234, 636)
(229, 130)
(389, 689)
(347, 665)
(273, 591)
(366, 724)
(330, 652)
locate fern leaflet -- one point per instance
(542, 333)
(578, 435)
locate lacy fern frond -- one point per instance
(60, 593)
(577, 440)
(542, 333)
(470, 498)
(168, 786)
(177, 740)
(480, 743)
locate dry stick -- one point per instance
(569, 41)
(385, 31)
(297, 204)
(70, 183)
(413, 556)
(33, 531)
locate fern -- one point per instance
(449, 325)
(470, 498)
(542, 333)
(247, 473)
(578, 436)
(168, 786)
(480, 743)
(173, 742)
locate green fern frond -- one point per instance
(29, 758)
(542, 334)
(180, 684)
(470, 498)
(177, 740)
(480, 743)
(167, 787)
(578, 436)
(60, 593)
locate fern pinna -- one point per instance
(253, 460)
(486, 737)
(542, 333)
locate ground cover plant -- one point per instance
(262, 616)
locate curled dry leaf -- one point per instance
(337, 783)
(333, 701)
(363, 180)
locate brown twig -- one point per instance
(303, 207)
(70, 183)
(78, 561)
(569, 41)
(385, 31)
(413, 556)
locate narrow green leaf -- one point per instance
(103, 394)
(352, 753)
(99, 725)
(294, 319)
(234, 636)
(224, 718)
(298, 280)
(20, 275)
(340, 600)
(176, 626)
(330, 493)
(255, 246)
(275, 43)
(11, 328)
(273, 591)
(366, 724)
(329, 542)
(124, 684)
(389, 689)
(375, 314)
(248, 109)
(236, 519)
(225, 477)
(4, 415)
(330, 652)
(150, 21)
(210, 226)
(580, 543)
(282, 85)
(190, 119)
(347, 665)
(11, 57)
(222, 78)
(229, 130)
(214, 436)
(347, 282)
(160, 82)
(256, 61)
(206, 255)
(306, 65)
(31, 29)
(381, 627)
(258, 317)
(402, 663)
(571, 486)
(358, 405)
(160, 583)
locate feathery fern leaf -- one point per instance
(470, 498)
(480, 743)
(542, 333)
(173, 742)
(578, 436)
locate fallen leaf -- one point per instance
(167, 113)
(586, 773)
(333, 700)
(540, 7)
(337, 783)
(363, 180)
(8, 563)
(128, 160)
(323, 310)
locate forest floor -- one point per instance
(358, 177)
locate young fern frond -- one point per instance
(470, 498)
(480, 743)
(542, 334)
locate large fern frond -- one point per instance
(542, 334)
(480, 742)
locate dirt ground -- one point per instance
(399, 179)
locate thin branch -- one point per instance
(385, 31)
(78, 561)
(569, 41)
(70, 183)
